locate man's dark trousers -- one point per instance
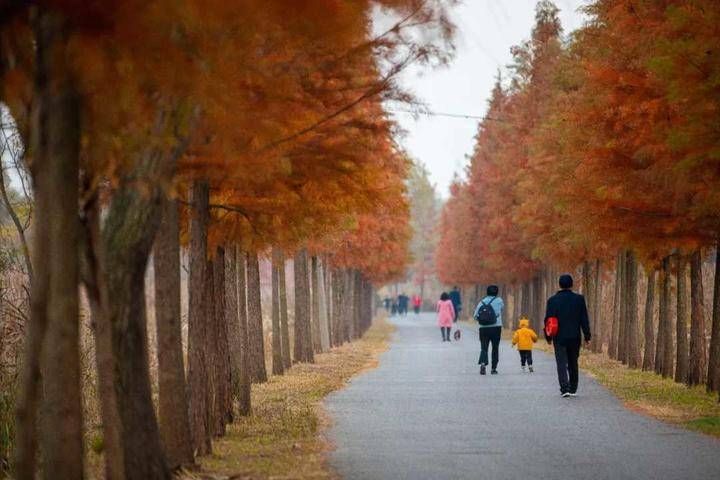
(566, 356)
(489, 335)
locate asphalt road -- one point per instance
(426, 413)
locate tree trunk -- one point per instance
(256, 340)
(327, 275)
(667, 364)
(223, 379)
(284, 323)
(303, 329)
(357, 303)
(211, 357)
(337, 318)
(197, 321)
(649, 324)
(349, 306)
(172, 395)
(315, 304)
(537, 312)
(52, 345)
(596, 344)
(323, 302)
(681, 340)
(633, 345)
(713, 381)
(243, 385)
(277, 353)
(97, 293)
(698, 350)
(614, 348)
(525, 302)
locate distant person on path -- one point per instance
(417, 303)
(457, 302)
(403, 301)
(566, 317)
(524, 338)
(387, 303)
(489, 307)
(445, 314)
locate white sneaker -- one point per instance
(523, 368)
(531, 369)
(565, 395)
(571, 394)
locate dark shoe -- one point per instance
(482, 369)
(493, 372)
(572, 394)
(531, 369)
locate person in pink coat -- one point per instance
(445, 315)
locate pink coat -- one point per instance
(445, 313)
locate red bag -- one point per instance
(551, 327)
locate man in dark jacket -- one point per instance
(456, 301)
(571, 311)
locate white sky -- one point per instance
(486, 31)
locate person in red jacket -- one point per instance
(417, 303)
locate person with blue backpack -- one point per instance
(488, 314)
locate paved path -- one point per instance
(425, 413)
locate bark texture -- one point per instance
(243, 384)
(223, 378)
(713, 381)
(278, 367)
(256, 357)
(284, 323)
(631, 312)
(698, 350)
(683, 314)
(197, 321)
(303, 329)
(172, 394)
(649, 323)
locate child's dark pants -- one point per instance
(525, 357)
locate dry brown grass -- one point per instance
(652, 395)
(283, 437)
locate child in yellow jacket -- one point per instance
(524, 338)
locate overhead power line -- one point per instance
(448, 115)
(438, 114)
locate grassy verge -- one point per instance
(282, 439)
(650, 394)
